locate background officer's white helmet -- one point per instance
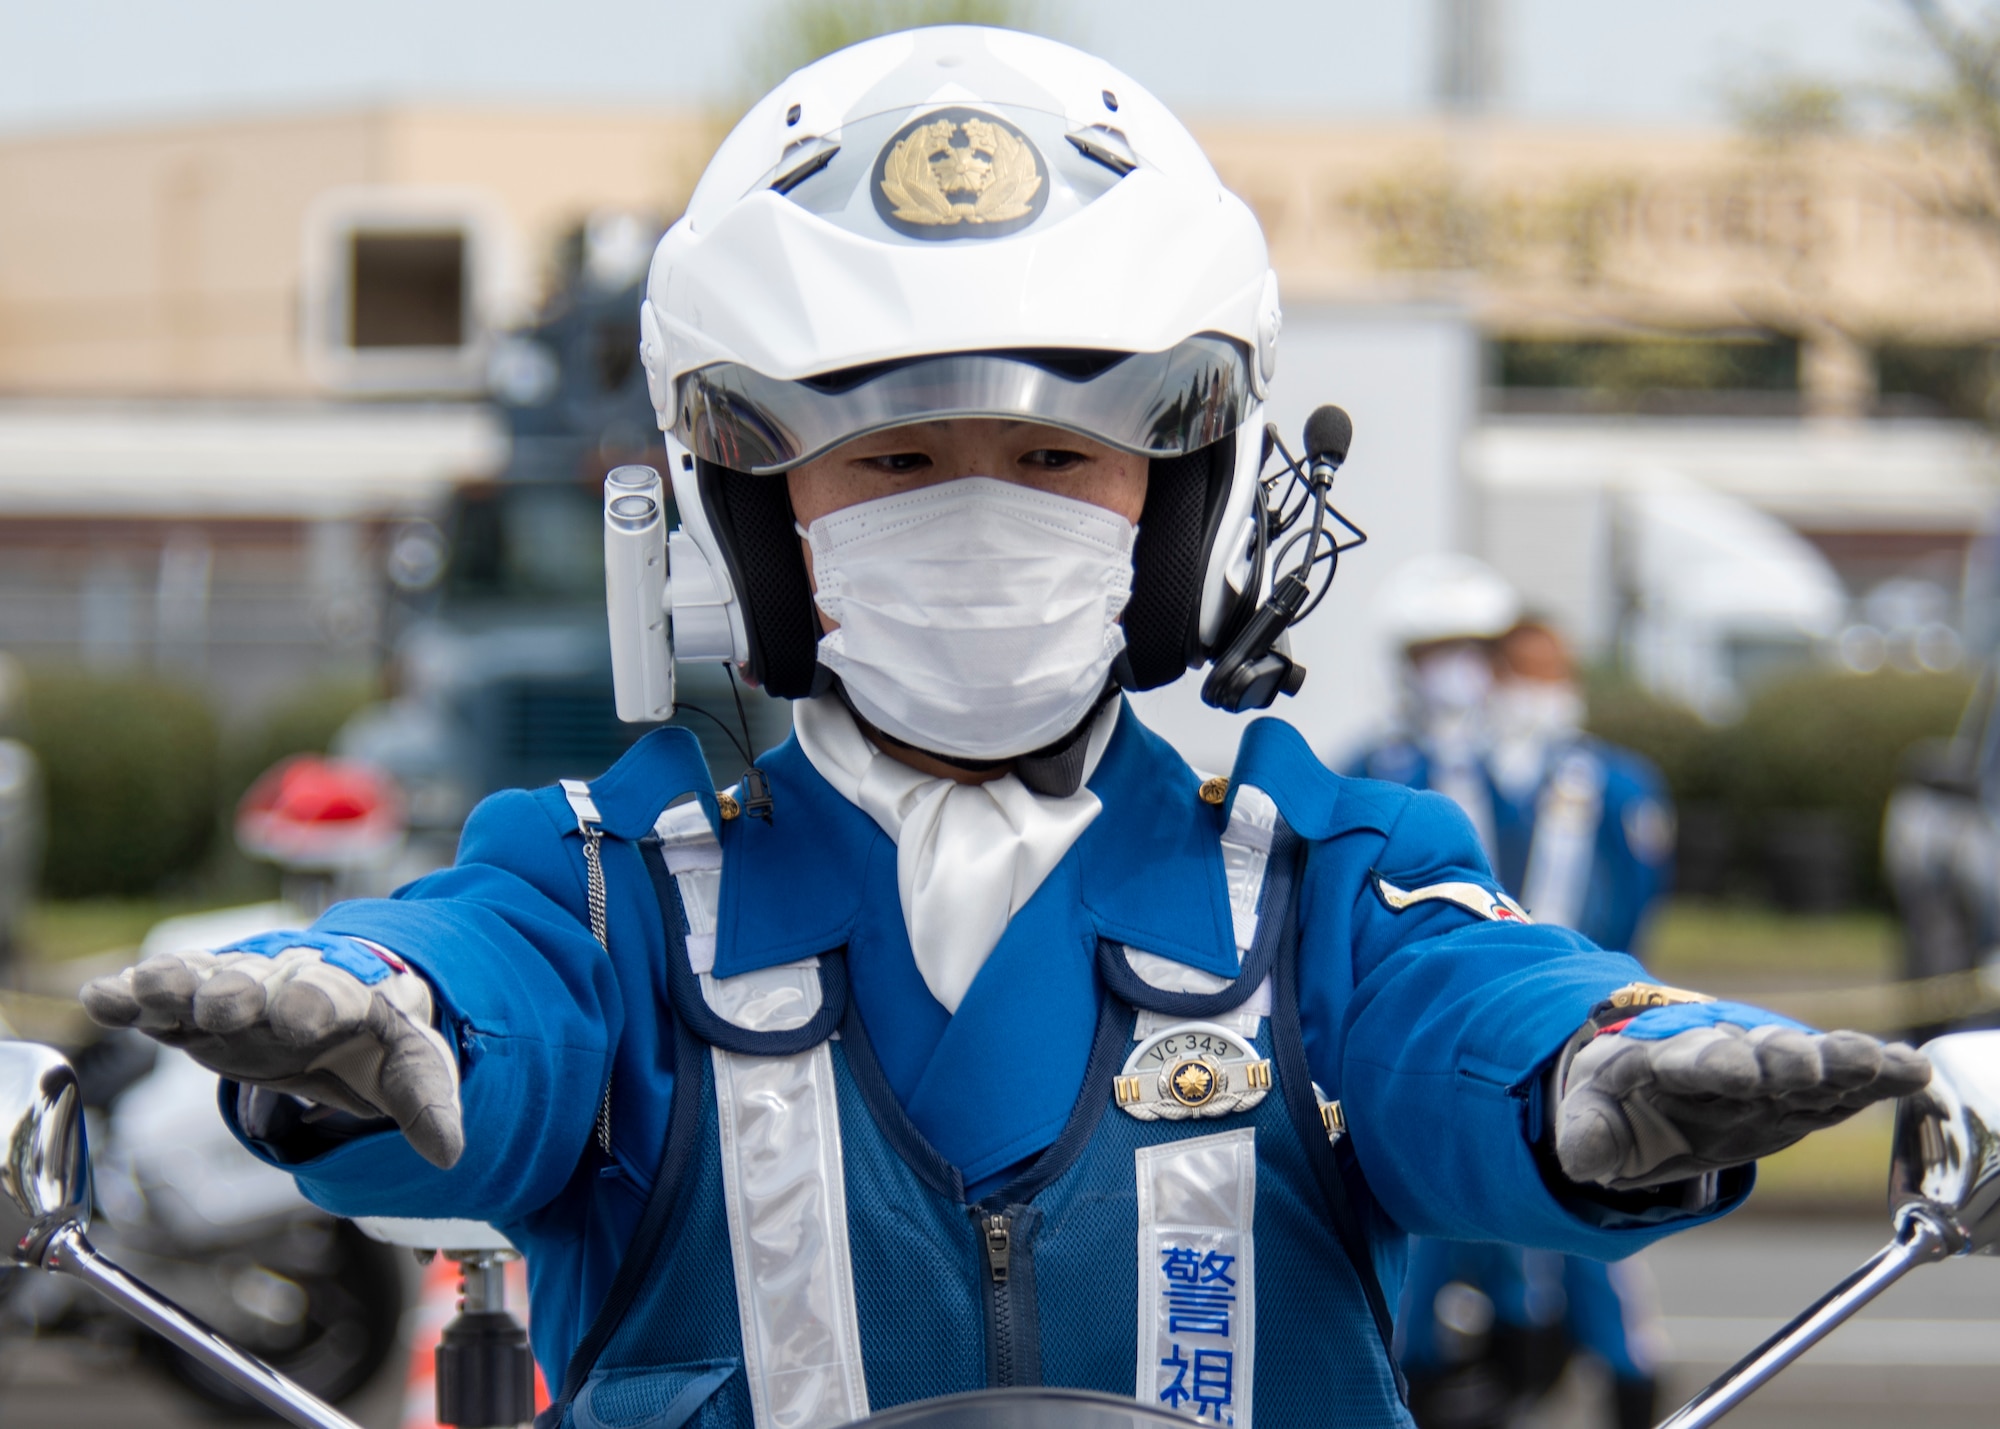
(1444, 596)
(962, 221)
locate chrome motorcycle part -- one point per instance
(45, 1208)
(1944, 1195)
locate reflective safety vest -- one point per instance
(1198, 1234)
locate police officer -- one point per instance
(1581, 832)
(1139, 1078)
(1584, 829)
(1442, 616)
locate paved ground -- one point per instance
(68, 1384)
(1926, 1357)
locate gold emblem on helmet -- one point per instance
(960, 167)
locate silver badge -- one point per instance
(1192, 1069)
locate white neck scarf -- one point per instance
(968, 856)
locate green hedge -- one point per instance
(130, 768)
(142, 782)
(1795, 789)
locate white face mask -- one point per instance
(977, 617)
(1452, 682)
(1536, 709)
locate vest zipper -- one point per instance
(1013, 1339)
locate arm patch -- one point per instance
(1488, 903)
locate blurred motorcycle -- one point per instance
(187, 1208)
(181, 1202)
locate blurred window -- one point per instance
(1937, 380)
(1675, 374)
(401, 288)
(529, 543)
(614, 353)
(407, 289)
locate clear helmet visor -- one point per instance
(1153, 404)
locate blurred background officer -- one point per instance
(1584, 831)
(1581, 833)
(1441, 615)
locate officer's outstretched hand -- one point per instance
(1679, 1091)
(323, 1017)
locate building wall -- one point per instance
(168, 259)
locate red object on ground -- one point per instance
(310, 812)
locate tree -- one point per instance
(1959, 114)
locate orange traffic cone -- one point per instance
(437, 1304)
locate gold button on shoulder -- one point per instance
(726, 805)
(1214, 791)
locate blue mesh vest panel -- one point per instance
(674, 1356)
(1317, 1345)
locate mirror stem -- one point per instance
(1919, 1241)
(69, 1251)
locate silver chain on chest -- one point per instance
(593, 865)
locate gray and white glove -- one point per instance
(324, 1017)
(1679, 1091)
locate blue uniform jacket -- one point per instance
(1634, 855)
(1431, 1024)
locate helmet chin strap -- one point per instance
(1054, 771)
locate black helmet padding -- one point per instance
(753, 522)
(1185, 496)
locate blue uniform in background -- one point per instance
(1403, 1015)
(1629, 841)
(1589, 845)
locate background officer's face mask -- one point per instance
(977, 617)
(1452, 681)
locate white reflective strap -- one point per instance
(1197, 1275)
(1170, 976)
(1246, 856)
(783, 1185)
(692, 855)
(580, 802)
(701, 893)
(1246, 851)
(786, 1197)
(686, 839)
(1560, 859)
(767, 1000)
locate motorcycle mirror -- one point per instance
(1944, 1199)
(1946, 1156)
(45, 1173)
(45, 1207)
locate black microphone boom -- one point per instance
(1256, 667)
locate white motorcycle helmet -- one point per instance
(1443, 596)
(957, 222)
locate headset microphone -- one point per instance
(1329, 433)
(1257, 667)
